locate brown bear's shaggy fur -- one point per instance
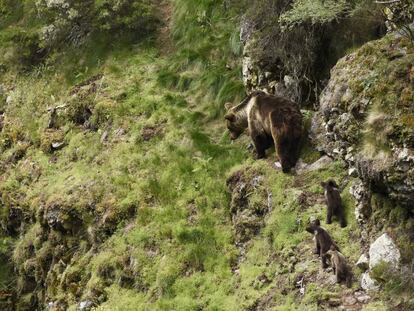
(270, 120)
(340, 267)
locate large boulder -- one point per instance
(384, 250)
(365, 116)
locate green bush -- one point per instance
(125, 14)
(37, 28)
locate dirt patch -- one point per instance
(88, 86)
(151, 131)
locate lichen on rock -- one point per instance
(363, 121)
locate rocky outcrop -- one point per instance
(362, 121)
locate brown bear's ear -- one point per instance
(228, 106)
(230, 116)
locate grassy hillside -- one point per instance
(114, 161)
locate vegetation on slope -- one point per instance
(114, 162)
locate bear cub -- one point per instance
(333, 202)
(323, 241)
(340, 267)
(271, 120)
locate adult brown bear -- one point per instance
(270, 120)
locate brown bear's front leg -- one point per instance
(259, 142)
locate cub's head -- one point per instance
(313, 226)
(332, 250)
(233, 124)
(329, 184)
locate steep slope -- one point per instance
(121, 190)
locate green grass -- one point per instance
(153, 226)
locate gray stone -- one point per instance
(58, 145)
(85, 305)
(104, 137)
(319, 164)
(353, 172)
(384, 250)
(349, 300)
(362, 297)
(367, 283)
(9, 100)
(363, 263)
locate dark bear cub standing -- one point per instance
(333, 202)
(323, 241)
(340, 267)
(270, 120)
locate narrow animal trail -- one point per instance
(164, 41)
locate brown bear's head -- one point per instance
(233, 124)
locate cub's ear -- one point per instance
(332, 183)
(323, 184)
(228, 106)
(230, 116)
(317, 222)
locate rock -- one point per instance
(384, 250)
(85, 305)
(362, 297)
(300, 166)
(247, 27)
(58, 145)
(367, 283)
(277, 165)
(319, 164)
(9, 99)
(363, 263)
(104, 137)
(353, 172)
(362, 197)
(349, 300)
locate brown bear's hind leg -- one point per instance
(341, 216)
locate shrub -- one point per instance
(39, 27)
(137, 15)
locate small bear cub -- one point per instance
(323, 241)
(340, 266)
(333, 202)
